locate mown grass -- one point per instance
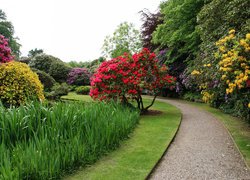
(74, 96)
(39, 141)
(238, 128)
(136, 157)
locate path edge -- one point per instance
(230, 135)
(165, 151)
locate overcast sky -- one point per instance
(71, 29)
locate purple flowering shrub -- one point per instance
(5, 51)
(79, 77)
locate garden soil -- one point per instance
(202, 149)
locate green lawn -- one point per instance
(74, 96)
(136, 157)
(239, 129)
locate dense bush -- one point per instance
(51, 65)
(43, 62)
(83, 90)
(57, 91)
(42, 142)
(5, 52)
(59, 71)
(126, 77)
(47, 81)
(79, 77)
(225, 83)
(18, 84)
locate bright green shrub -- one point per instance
(83, 90)
(47, 81)
(18, 84)
(58, 90)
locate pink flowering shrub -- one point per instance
(79, 77)
(126, 77)
(5, 51)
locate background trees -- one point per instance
(124, 39)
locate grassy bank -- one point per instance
(40, 141)
(137, 155)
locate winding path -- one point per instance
(202, 149)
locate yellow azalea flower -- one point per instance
(195, 72)
(248, 36)
(232, 31)
(248, 105)
(223, 77)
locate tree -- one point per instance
(51, 65)
(127, 77)
(178, 32)
(34, 52)
(125, 39)
(150, 23)
(7, 30)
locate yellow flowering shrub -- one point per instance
(18, 84)
(224, 81)
(234, 61)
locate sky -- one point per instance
(73, 30)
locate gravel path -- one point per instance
(201, 150)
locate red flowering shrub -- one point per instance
(5, 51)
(125, 77)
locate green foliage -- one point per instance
(215, 20)
(125, 39)
(42, 142)
(57, 91)
(83, 90)
(177, 32)
(7, 30)
(34, 52)
(51, 65)
(18, 84)
(47, 81)
(43, 62)
(59, 71)
(193, 96)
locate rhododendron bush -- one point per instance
(5, 51)
(126, 77)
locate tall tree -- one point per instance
(124, 39)
(150, 23)
(7, 30)
(177, 32)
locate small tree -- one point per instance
(125, 39)
(126, 77)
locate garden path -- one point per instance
(202, 149)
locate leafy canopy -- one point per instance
(124, 39)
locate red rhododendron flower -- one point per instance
(126, 77)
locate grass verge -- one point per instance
(238, 128)
(74, 96)
(137, 156)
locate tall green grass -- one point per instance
(38, 141)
